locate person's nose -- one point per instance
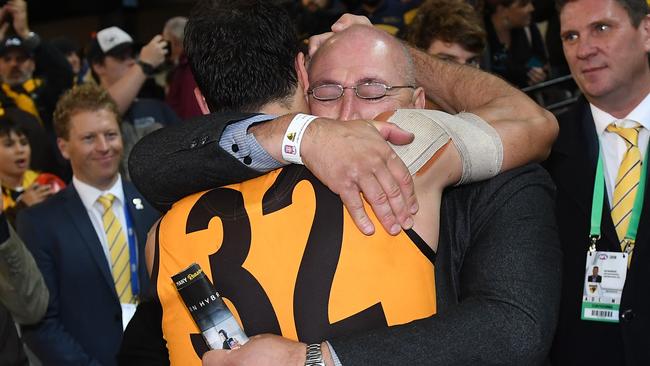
(13, 62)
(349, 103)
(585, 47)
(101, 144)
(21, 149)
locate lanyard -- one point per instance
(598, 198)
(133, 253)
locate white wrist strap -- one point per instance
(293, 137)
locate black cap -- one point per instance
(14, 42)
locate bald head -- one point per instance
(175, 28)
(371, 42)
(174, 32)
(363, 54)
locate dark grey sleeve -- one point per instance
(508, 285)
(22, 289)
(173, 162)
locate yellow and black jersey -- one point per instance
(24, 95)
(287, 259)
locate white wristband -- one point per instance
(293, 137)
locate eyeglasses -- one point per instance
(364, 90)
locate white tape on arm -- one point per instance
(293, 137)
(478, 144)
(429, 138)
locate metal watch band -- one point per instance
(314, 355)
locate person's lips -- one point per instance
(105, 159)
(592, 69)
(21, 163)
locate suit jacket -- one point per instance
(493, 235)
(83, 322)
(597, 278)
(572, 165)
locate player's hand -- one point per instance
(154, 52)
(262, 350)
(352, 157)
(345, 21)
(36, 193)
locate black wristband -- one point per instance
(147, 68)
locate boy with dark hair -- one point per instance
(449, 29)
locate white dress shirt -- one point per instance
(613, 146)
(89, 196)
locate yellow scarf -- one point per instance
(24, 100)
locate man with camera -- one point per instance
(114, 66)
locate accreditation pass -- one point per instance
(603, 285)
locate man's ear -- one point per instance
(301, 70)
(200, 99)
(63, 147)
(419, 100)
(98, 68)
(644, 26)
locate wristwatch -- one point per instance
(314, 355)
(147, 68)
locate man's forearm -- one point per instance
(526, 130)
(127, 88)
(270, 134)
(455, 87)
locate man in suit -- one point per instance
(88, 240)
(595, 277)
(606, 43)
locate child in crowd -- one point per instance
(21, 186)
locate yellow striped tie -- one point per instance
(119, 250)
(627, 181)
